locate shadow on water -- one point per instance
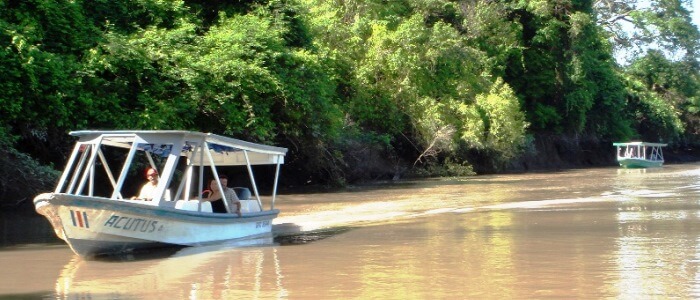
(141, 255)
(282, 237)
(305, 237)
(29, 296)
(182, 251)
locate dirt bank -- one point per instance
(556, 153)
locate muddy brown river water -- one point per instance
(590, 233)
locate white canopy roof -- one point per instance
(225, 151)
(640, 144)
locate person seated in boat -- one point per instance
(214, 196)
(149, 188)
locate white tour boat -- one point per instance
(90, 211)
(639, 154)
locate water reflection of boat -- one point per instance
(89, 211)
(639, 154)
(207, 272)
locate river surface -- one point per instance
(590, 233)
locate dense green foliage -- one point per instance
(356, 89)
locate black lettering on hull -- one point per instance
(133, 224)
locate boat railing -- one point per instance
(640, 150)
(88, 160)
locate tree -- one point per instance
(563, 69)
(636, 26)
(414, 76)
(662, 71)
(659, 91)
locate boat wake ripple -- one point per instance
(315, 225)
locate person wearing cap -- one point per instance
(214, 196)
(148, 188)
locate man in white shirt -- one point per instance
(149, 188)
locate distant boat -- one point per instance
(88, 208)
(640, 154)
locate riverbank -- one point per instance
(546, 153)
(557, 153)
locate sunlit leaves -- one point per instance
(506, 126)
(488, 28)
(39, 46)
(661, 92)
(236, 85)
(425, 80)
(417, 69)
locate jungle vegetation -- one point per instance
(356, 89)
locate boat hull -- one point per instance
(95, 226)
(636, 163)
